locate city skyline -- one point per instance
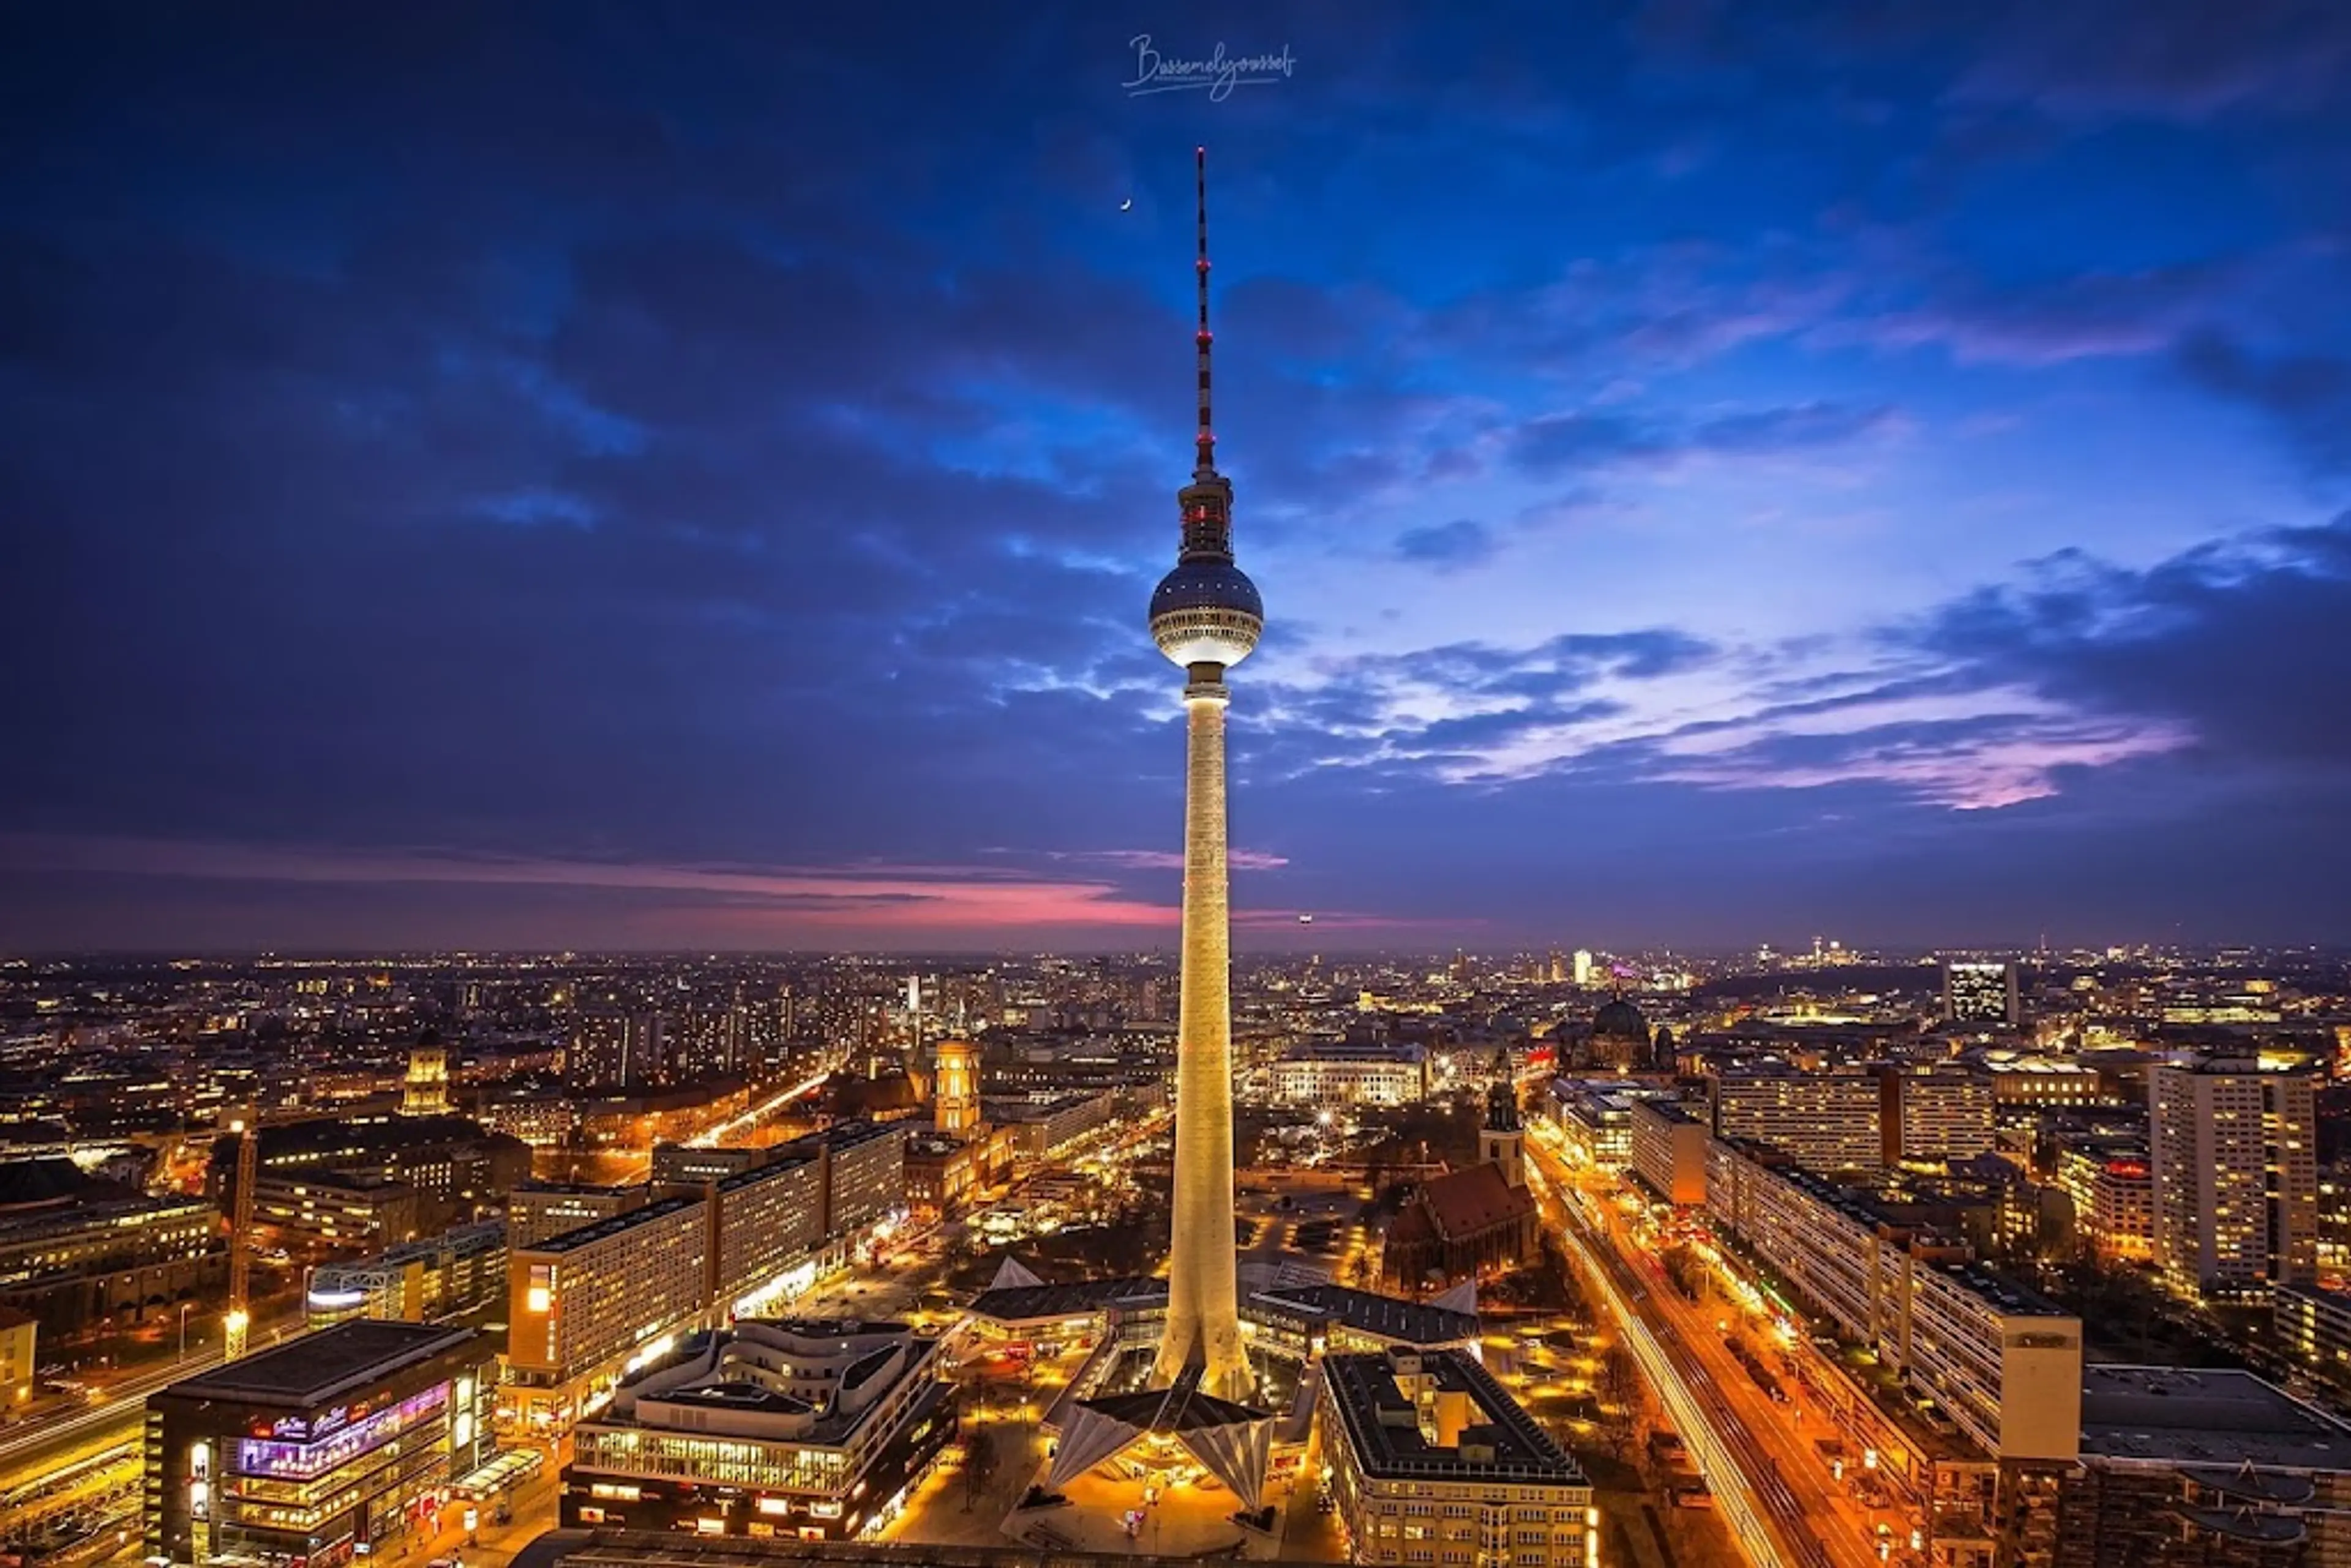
(1724, 478)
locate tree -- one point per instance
(979, 1464)
(1622, 1394)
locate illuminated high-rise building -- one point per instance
(1206, 616)
(1981, 994)
(615, 1047)
(1582, 967)
(2236, 1176)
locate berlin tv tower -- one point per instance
(1206, 615)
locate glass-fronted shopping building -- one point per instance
(320, 1450)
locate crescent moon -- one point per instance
(1127, 205)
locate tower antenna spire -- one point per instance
(1207, 440)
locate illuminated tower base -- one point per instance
(1203, 1297)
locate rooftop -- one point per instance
(289, 1142)
(2166, 1414)
(1362, 1386)
(605, 1229)
(2003, 1293)
(768, 1172)
(303, 1373)
(659, 1549)
(1027, 1303)
(1037, 1109)
(26, 1182)
(93, 1212)
(1406, 1323)
(774, 1380)
(536, 1188)
(1890, 1203)
(1466, 1203)
(1355, 1051)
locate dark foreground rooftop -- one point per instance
(1368, 1312)
(1029, 1303)
(311, 1371)
(653, 1549)
(2205, 1416)
(1383, 1428)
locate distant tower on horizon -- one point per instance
(1206, 616)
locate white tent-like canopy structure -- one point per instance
(1234, 1442)
(1011, 1276)
(1461, 1298)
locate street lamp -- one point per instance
(184, 1329)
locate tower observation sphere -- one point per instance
(1207, 613)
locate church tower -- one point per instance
(1502, 1141)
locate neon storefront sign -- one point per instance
(333, 1445)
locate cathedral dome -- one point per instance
(1620, 1019)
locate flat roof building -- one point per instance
(1984, 994)
(683, 1164)
(1824, 1121)
(582, 1306)
(2111, 1184)
(589, 1305)
(1933, 1118)
(418, 1282)
(336, 1209)
(2314, 1330)
(2183, 1468)
(864, 1172)
(768, 1219)
(1595, 1120)
(815, 1429)
(1293, 1319)
(538, 1209)
(2236, 1176)
(1431, 1461)
(2000, 1361)
(320, 1449)
(1669, 1151)
(1336, 1073)
(89, 1253)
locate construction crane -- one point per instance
(245, 1123)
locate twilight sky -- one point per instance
(626, 475)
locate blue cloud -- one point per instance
(1460, 543)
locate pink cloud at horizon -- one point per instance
(910, 896)
(876, 896)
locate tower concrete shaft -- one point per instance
(1203, 1300)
